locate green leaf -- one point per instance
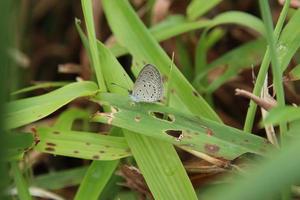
(182, 129)
(40, 86)
(25, 111)
(90, 27)
(258, 182)
(282, 114)
(239, 18)
(61, 179)
(81, 144)
(20, 181)
(289, 41)
(67, 118)
(95, 179)
(177, 24)
(251, 52)
(199, 7)
(294, 74)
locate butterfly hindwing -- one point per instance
(148, 86)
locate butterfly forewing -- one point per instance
(148, 86)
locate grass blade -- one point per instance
(81, 144)
(24, 111)
(199, 7)
(22, 186)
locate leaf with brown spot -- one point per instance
(87, 144)
(200, 132)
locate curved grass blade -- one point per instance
(67, 118)
(199, 7)
(282, 114)
(61, 179)
(25, 111)
(232, 63)
(40, 86)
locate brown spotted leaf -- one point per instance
(182, 129)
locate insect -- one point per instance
(148, 86)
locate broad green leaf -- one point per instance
(25, 111)
(81, 144)
(199, 7)
(282, 114)
(60, 179)
(182, 129)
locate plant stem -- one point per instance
(264, 69)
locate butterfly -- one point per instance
(148, 86)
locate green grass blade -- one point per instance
(240, 18)
(67, 118)
(282, 114)
(289, 41)
(263, 70)
(40, 86)
(276, 70)
(98, 185)
(89, 21)
(24, 111)
(22, 186)
(252, 53)
(199, 7)
(231, 17)
(295, 73)
(80, 144)
(164, 176)
(61, 179)
(176, 25)
(195, 133)
(258, 183)
(96, 178)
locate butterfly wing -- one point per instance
(148, 86)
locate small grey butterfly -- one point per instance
(148, 86)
